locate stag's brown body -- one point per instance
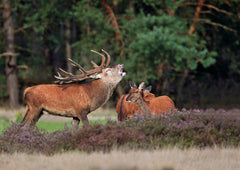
(157, 105)
(71, 100)
(126, 109)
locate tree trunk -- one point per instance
(196, 16)
(114, 23)
(68, 47)
(11, 58)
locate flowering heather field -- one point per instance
(182, 129)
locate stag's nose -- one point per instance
(122, 73)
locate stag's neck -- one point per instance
(100, 92)
(105, 86)
(143, 105)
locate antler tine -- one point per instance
(103, 58)
(89, 74)
(108, 57)
(94, 64)
(58, 77)
(65, 72)
(77, 65)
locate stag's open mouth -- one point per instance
(121, 72)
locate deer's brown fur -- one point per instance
(71, 100)
(126, 109)
(157, 105)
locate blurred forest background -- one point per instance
(187, 49)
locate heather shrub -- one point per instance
(23, 139)
(198, 128)
(189, 128)
(104, 137)
(20, 138)
(61, 140)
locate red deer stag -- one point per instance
(73, 100)
(157, 105)
(126, 109)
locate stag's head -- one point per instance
(110, 75)
(137, 93)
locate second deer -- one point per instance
(157, 105)
(127, 109)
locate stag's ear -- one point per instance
(148, 89)
(132, 85)
(141, 86)
(108, 71)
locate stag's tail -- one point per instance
(25, 116)
(25, 96)
(120, 109)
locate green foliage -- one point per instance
(51, 126)
(94, 30)
(155, 44)
(44, 125)
(19, 117)
(55, 126)
(4, 123)
(164, 39)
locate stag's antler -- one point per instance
(69, 77)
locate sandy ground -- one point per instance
(100, 113)
(167, 159)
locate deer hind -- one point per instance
(127, 109)
(157, 105)
(73, 100)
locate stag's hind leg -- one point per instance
(32, 115)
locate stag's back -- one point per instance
(80, 97)
(57, 97)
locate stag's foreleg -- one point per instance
(32, 115)
(84, 119)
(76, 121)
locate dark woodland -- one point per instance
(186, 49)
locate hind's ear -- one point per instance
(141, 86)
(148, 89)
(132, 85)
